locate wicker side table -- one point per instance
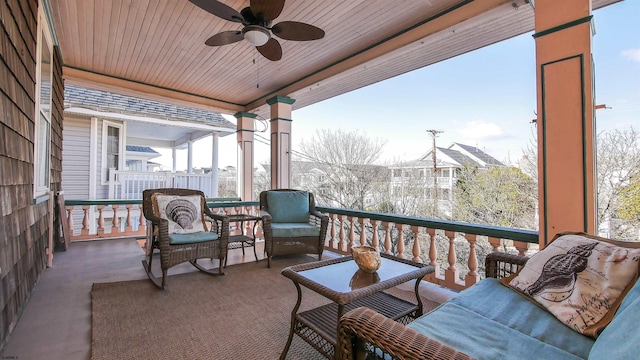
(242, 241)
(319, 326)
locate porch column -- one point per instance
(190, 157)
(214, 164)
(280, 141)
(566, 138)
(174, 159)
(245, 129)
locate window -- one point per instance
(112, 148)
(445, 173)
(42, 142)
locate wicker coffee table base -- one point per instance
(318, 326)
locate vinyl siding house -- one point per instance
(415, 179)
(107, 147)
(108, 140)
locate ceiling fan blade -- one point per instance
(270, 9)
(218, 9)
(224, 38)
(271, 50)
(248, 16)
(297, 31)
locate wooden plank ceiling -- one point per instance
(155, 48)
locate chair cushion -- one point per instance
(581, 279)
(184, 213)
(192, 238)
(620, 339)
(288, 206)
(294, 230)
(492, 321)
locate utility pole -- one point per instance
(435, 133)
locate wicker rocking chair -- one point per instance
(291, 223)
(178, 222)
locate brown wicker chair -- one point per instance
(178, 248)
(291, 237)
(364, 333)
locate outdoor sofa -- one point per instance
(494, 320)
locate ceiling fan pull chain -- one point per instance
(257, 63)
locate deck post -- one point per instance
(214, 164)
(245, 130)
(280, 141)
(566, 137)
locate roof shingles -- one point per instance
(108, 101)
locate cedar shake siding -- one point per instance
(24, 223)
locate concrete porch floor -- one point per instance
(56, 323)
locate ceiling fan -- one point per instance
(257, 30)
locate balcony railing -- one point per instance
(130, 184)
(455, 249)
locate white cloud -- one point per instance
(632, 54)
(478, 130)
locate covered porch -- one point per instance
(106, 46)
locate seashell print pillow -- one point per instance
(183, 212)
(581, 279)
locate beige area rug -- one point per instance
(244, 314)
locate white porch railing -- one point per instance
(130, 184)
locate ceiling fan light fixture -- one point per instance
(256, 35)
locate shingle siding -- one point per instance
(24, 226)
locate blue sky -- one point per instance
(485, 98)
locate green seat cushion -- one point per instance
(288, 206)
(191, 238)
(294, 230)
(620, 339)
(491, 321)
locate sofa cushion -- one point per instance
(620, 339)
(288, 206)
(492, 321)
(294, 230)
(191, 238)
(581, 279)
(184, 213)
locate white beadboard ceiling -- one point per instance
(155, 48)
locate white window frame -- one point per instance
(42, 141)
(122, 153)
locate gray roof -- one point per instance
(143, 149)
(108, 101)
(488, 159)
(455, 155)
(458, 157)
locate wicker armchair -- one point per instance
(165, 218)
(364, 333)
(288, 231)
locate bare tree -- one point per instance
(618, 167)
(348, 160)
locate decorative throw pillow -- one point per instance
(182, 212)
(580, 279)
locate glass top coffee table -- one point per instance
(342, 282)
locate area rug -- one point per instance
(244, 314)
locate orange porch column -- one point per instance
(245, 129)
(566, 138)
(280, 141)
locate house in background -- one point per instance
(108, 144)
(109, 140)
(416, 178)
(138, 159)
